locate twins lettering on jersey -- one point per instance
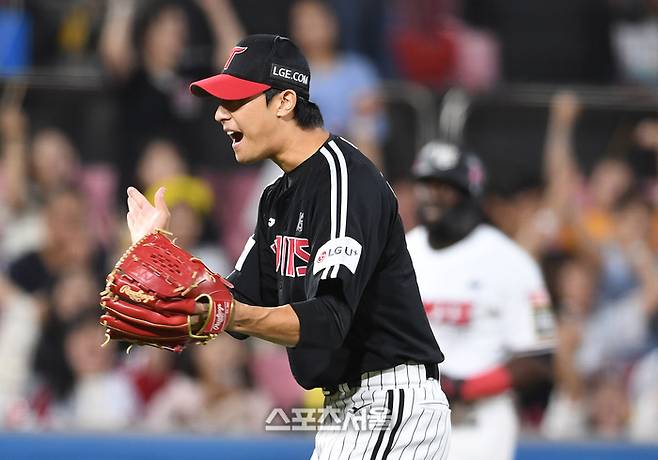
(291, 255)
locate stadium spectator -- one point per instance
(534, 214)
(645, 138)
(20, 327)
(149, 50)
(433, 46)
(191, 203)
(626, 259)
(345, 85)
(74, 292)
(219, 400)
(101, 398)
(643, 384)
(67, 245)
(160, 160)
(570, 412)
(32, 170)
(531, 51)
(150, 370)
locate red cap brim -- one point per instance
(227, 87)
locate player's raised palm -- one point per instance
(143, 217)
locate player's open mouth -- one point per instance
(236, 137)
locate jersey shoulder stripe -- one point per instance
(343, 187)
(338, 197)
(334, 189)
(348, 142)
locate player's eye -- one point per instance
(232, 106)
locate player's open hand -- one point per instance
(143, 217)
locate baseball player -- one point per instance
(485, 299)
(327, 272)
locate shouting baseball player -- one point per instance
(485, 299)
(326, 273)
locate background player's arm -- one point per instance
(518, 373)
(528, 328)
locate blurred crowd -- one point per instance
(67, 154)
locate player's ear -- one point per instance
(287, 103)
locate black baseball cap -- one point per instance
(256, 64)
(450, 164)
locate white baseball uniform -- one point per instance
(487, 302)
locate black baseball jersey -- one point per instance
(330, 242)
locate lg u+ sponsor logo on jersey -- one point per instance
(338, 251)
(292, 255)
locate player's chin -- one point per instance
(246, 155)
(244, 158)
(241, 154)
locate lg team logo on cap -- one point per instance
(236, 50)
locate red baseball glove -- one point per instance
(150, 296)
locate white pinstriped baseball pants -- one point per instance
(417, 425)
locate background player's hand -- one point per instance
(143, 217)
(452, 388)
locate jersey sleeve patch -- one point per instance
(338, 251)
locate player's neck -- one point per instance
(298, 146)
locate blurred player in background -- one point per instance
(486, 299)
